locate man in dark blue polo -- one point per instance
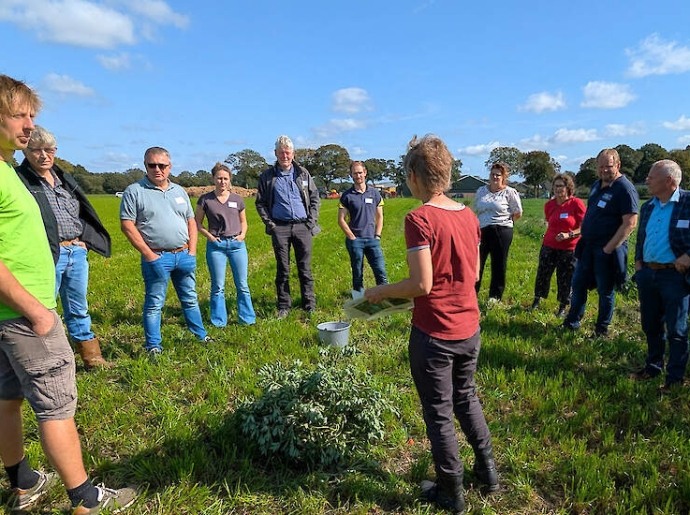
(364, 207)
(602, 251)
(661, 262)
(288, 203)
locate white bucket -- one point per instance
(336, 334)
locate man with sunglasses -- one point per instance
(157, 219)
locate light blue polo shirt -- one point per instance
(159, 215)
(657, 245)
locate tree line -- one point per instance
(329, 165)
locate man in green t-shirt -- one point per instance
(36, 360)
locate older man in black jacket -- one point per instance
(73, 228)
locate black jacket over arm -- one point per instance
(94, 235)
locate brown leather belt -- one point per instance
(660, 266)
(67, 243)
(173, 251)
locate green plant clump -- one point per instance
(324, 418)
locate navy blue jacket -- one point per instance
(679, 237)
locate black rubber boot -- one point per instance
(485, 469)
(447, 492)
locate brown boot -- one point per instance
(90, 353)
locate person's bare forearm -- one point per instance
(134, 236)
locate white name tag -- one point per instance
(564, 215)
(305, 183)
(683, 224)
(601, 204)
(179, 200)
(232, 204)
(368, 200)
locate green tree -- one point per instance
(588, 173)
(682, 157)
(247, 165)
(537, 168)
(331, 162)
(114, 182)
(630, 160)
(377, 169)
(508, 155)
(203, 178)
(456, 171)
(651, 152)
(185, 179)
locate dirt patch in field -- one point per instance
(197, 191)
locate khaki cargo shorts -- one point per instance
(39, 369)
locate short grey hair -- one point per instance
(41, 138)
(156, 150)
(284, 141)
(670, 168)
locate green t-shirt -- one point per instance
(24, 248)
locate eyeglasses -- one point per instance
(39, 151)
(153, 166)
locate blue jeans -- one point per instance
(371, 248)
(179, 267)
(663, 298)
(218, 253)
(593, 267)
(71, 282)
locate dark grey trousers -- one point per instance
(443, 372)
(299, 237)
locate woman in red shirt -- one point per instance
(564, 214)
(442, 239)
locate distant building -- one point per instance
(466, 187)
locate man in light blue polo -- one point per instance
(360, 216)
(157, 219)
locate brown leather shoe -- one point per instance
(90, 352)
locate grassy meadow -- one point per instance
(572, 434)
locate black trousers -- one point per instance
(495, 242)
(299, 237)
(443, 372)
(563, 262)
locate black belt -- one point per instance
(659, 266)
(173, 251)
(227, 237)
(289, 222)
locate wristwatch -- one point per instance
(571, 235)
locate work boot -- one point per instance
(447, 492)
(90, 353)
(485, 468)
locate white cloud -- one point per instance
(358, 151)
(681, 124)
(66, 85)
(338, 125)
(158, 12)
(618, 130)
(478, 150)
(115, 62)
(684, 140)
(544, 101)
(559, 137)
(87, 23)
(654, 56)
(606, 95)
(351, 100)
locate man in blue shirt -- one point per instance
(602, 251)
(364, 207)
(661, 262)
(288, 203)
(157, 219)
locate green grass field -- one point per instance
(571, 433)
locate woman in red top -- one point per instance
(564, 214)
(442, 239)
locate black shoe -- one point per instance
(485, 469)
(598, 335)
(447, 492)
(671, 387)
(535, 303)
(562, 311)
(566, 327)
(644, 374)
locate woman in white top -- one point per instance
(497, 206)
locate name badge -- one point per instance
(601, 204)
(564, 215)
(683, 224)
(368, 200)
(305, 183)
(179, 200)
(232, 204)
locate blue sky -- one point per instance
(205, 79)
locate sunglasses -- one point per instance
(153, 166)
